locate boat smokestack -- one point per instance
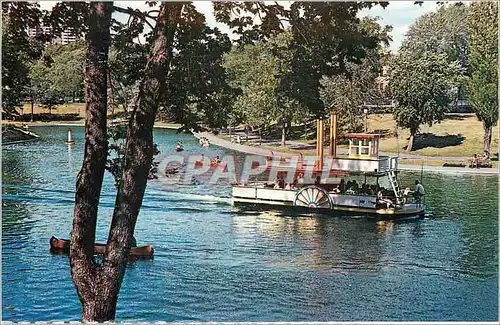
(70, 137)
(317, 138)
(333, 134)
(322, 142)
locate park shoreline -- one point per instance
(159, 125)
(265, 152)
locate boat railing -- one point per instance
(393, 163)
(419, 200)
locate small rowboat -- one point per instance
(179, 149)
(61, 246)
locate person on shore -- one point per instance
(486, 159)
(474, 163)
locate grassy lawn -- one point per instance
(65, 109)
(74, 112)
(457, 135)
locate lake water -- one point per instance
(213, 263)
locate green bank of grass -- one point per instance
(459, 135)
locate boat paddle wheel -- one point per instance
(312, 197)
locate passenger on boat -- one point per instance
(342, 186)
(281, 182)
(419, 191)
(317, 182)
(300, 178)
(336, 189)
(217, 160)
(355, 186)
(384, 202)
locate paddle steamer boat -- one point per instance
(363, 161)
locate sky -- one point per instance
(400, 14)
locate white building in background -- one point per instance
(33, 32)
(67, 36)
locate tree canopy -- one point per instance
(424, 88)
(346, 93)
(482, 27)
(442, 31)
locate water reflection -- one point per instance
(336, 244)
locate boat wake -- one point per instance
(26, 193)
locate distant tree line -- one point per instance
(446, 55)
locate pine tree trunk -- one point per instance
(98, 301)
(283, 135)
(139, 147)
(487, 137)
(32, 108)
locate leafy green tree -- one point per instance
(443, 31)
(482, 27)
(17, 53)
(127, 60)
(424, 89)
(198, 95)
(262, 71)
(66, 68)
(325, 37)
(346, 93)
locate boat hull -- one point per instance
(62, 246)
(336, 204)
(334, 211)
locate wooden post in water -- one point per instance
(333, 134)
(70, 137)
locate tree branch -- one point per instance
(136, 13)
